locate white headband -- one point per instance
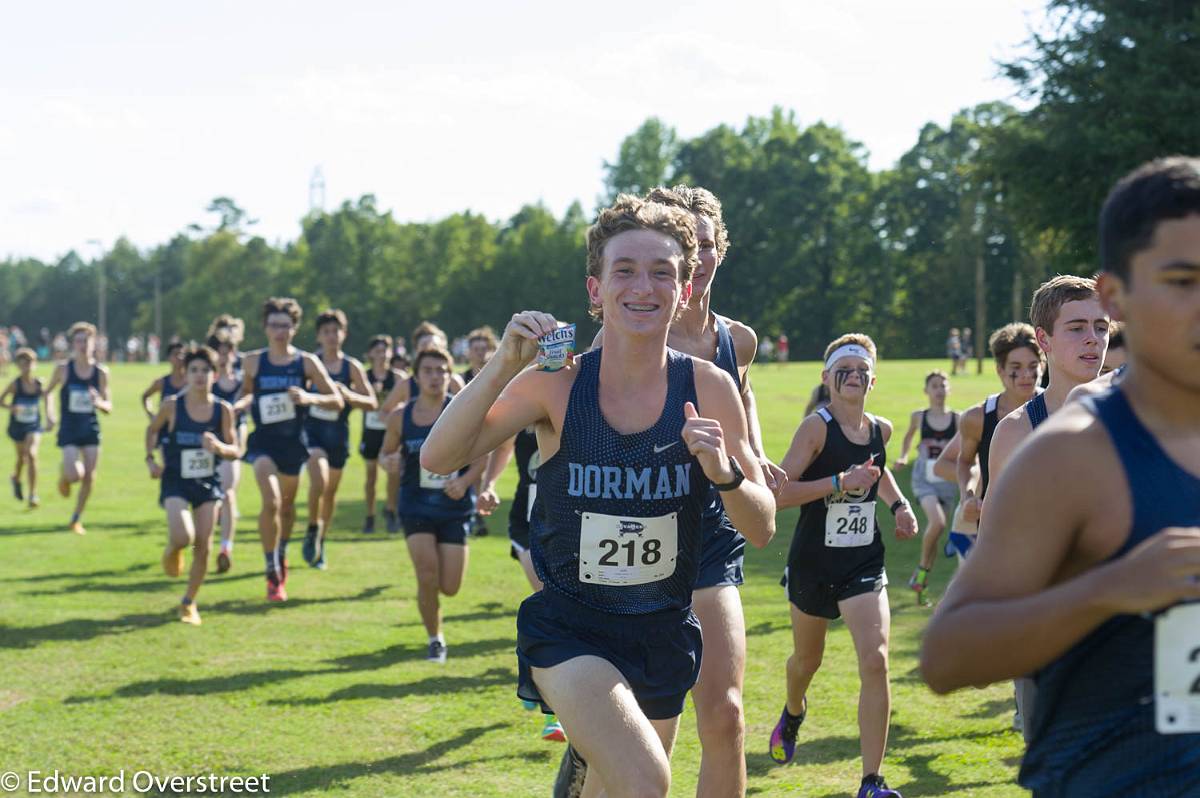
(848, 350)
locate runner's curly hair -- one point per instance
(633, 213)
(701, 202)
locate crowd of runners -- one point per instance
(1072, 510)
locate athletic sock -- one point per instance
(312, 529)
(439, 638)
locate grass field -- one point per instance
(329, 693)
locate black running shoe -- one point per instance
(393, 521)
(369, 525)
(16, 483)
(437, 652)
(310, 545)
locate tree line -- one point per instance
(958, 231)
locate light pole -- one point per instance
(101, 289)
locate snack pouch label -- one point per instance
(556, 348)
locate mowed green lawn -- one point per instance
(329, 692)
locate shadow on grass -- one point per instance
(433, 685)
(146, 586)
(66, 575)
(354, 663)
(901, 738)
(488, 611)
(80, 629)
(325, 778)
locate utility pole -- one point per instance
(101, 287)
(316, 193)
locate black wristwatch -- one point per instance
(738, 477)
(896, 505)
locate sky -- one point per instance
(128, 118)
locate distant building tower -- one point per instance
(316, 192)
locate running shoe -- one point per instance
(224, 561)
(369, 525)
(874, 786)
(311, 543)
(572, 772)
(437, 652)
(783, 738)
(919, 580)
(172, 561)
(393, 521)
(283, 571)
(479, 527)
(189, 614)
(553, 730)
(16, 486)
(276, 591)
(320, 564)
(34, 501)
(77, 528)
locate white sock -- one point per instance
(438, 638)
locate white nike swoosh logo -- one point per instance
(660, 449)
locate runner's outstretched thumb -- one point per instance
(689, 410)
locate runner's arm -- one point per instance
(328, 397)
(360, 394)
(154, 388)
(914, 423)
(102, 399)
(806, 445)
(498, 403)
(1003, 616)
(11, 389)
(750, 506)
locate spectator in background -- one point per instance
(781, 349)
(102, 347)
(153, 345)
(766, 349)
(954, 350)
(44, 347)
(60, 346)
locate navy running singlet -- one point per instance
(25, 413)
(231, 395)
(183, 451)
(1094, 724)
(422, 492)
(1035, 410)
(323, 416)
(77, 411)
(167, 390)
(274, 413)
(373, 422)
(618, 522)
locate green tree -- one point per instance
(643, 160)
(1110, 87)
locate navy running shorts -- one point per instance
(658, 655)
(446, 530)
(721, 558)
(194, 491)
(288, 454)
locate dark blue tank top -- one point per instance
(187, 436)
(342, 421)
(1035, 410)
(421, 493)
(726, 359)
(22, 402)
(231, 395)
(611, 508)
(71, 421)
(272, 379)
(1093, 725)
(166, 389)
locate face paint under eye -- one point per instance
(841, 375)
